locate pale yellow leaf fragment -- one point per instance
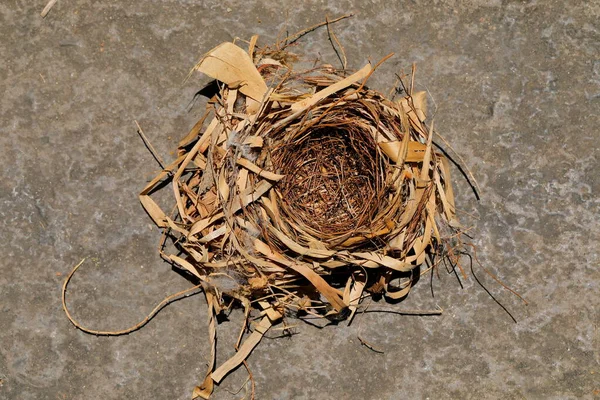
(214, 234)
(254, 141)
(270, 311)
(415, 151)
(356, 291)
(223, 187)
(252, 45)
(204, 223)
(155, 212)
(242, 180)
(231, 98)
(188, 266)
(233, 66)
(412, 114)
(346, 296)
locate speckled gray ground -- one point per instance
(517, 87)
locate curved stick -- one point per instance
(135, 327)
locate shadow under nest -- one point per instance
(302, 192)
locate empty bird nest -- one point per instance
(302, 191)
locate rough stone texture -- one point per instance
(517, 89)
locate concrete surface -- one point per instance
(517, 87)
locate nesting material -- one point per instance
(301, 192)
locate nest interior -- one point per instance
(301, 191)
(332, 176)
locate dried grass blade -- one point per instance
(318, 282)
(427, 157)
(328, 91)
(246, 348)
(48, 7)
(301, 250)
(419, 100)
(188, 266)
(258, 170)
(206, 388)
(360, 280)
(385, 261)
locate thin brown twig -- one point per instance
(462, 164)
(369, 345)
(149, 146)
(163, 303)
(293, 38)
(438, 311)
(494, 277)
(333, 39)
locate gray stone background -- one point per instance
(517, 90)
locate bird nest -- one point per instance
(301, 192)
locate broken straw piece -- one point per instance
(336, 87)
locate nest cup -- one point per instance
(334, 175)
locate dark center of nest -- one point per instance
(331, 180)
